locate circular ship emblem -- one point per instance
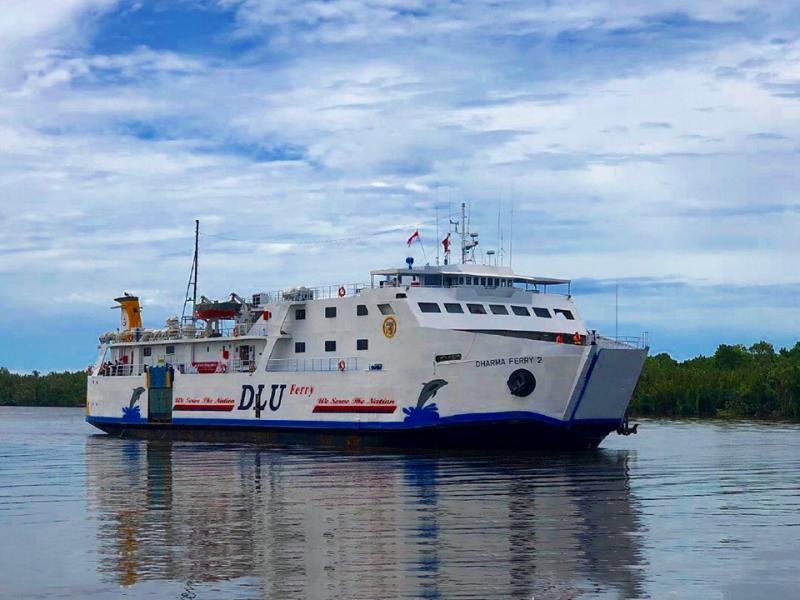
(389, 327)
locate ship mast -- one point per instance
(192, 275)
(196, 256)
(466, 246)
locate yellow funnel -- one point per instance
(131, 313)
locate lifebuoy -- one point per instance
(576, 339)
(342, 365)
(342, 291)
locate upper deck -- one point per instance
(488, 277)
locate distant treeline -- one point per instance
(53, 389)
(755, 382)
(735, 382)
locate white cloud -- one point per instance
(106, 159)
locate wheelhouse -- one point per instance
(467, 275)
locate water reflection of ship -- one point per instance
(307, 523)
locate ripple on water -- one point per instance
(693, 508)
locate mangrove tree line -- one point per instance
(754, 382)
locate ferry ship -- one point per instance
(457, 354)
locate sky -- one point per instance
(649, 147)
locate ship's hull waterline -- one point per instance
(527, 434)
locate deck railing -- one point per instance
(303, 294)
(627, 341)
(134, 370)
(120, 370)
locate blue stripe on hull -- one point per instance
(482, 418)
(585, 385)
(504, 431)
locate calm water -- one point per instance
(685, 510)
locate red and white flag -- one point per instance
(414, 236)
(446, 243)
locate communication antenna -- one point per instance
(437, 233)
(511, 234)
(499, 231)
(463, 233)
(616, 312)
(502, 251)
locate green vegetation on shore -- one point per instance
(755, 382)
(53, 389)
(740, 382)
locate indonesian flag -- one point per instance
(414, 236)
(446, 243)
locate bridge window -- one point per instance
(564, 313)
(469, 280)
(362, 344)
(498, 309)
(461, 280)
(299, 347)
(330, 312)
(147, 351)
(299, 314)
(453, 307)
(429, 307)
(542, 312)
(476, 309)
(330, 346)
(386, 309)
(170, 349)
(361, 310)
(520, 311)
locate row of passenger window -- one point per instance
(330, 311)
(330, 346)
(452, 307)
(496, 309)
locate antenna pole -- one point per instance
(616, 312)
(511, 234)
(499, 235)
(463, 233)
(437, 234)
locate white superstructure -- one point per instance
(459, 353)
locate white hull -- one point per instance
(576, 387)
